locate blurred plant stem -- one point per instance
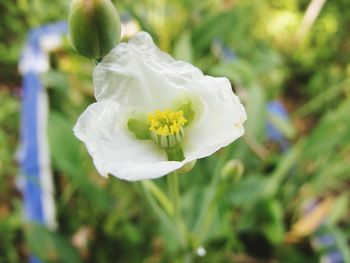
(97, 61)
(174, 193)
(255, 146)
(310, 16)
(329, 94)
(156, 208)
(160, 196)
(206, 214)
(168, 210)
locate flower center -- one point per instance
(167, 127)
(166, 122)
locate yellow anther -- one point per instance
(166, 122)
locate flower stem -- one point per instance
(173, 186)
(157, 209)
(97, 61)
(162, 199)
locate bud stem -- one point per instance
(97, 61)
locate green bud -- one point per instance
(94, 27)
(232, 170)
(186, 168)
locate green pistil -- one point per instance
(175, 153)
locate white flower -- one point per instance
(154, 114)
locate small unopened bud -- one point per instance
(186, 168)
(232, 170)
(94, 27)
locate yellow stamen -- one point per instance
(166, 122)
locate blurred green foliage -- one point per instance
(262, 214)
(10, 207)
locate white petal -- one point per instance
(141, 76)
(221, 121)
(114, 149)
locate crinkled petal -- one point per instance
(114, 150)
(221, 120)
(141, 76)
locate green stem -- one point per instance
(204, 218)
(158, 211)
(97, 61)
(173, 186)
(162, 199)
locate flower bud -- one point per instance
(186, 168)
(94, 27)
(232, 170)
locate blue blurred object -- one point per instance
(37, 186)
(333, 257)
(222, 51)
(29, 147)
(326, 244)
(325, 240)
(276, 108)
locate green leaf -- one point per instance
(49, 246)
(215, 26)
(271, 214)
(68, 158)
(247, 191)
(283, 169)
(240, 72)
(339, 209)
(56, 80)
